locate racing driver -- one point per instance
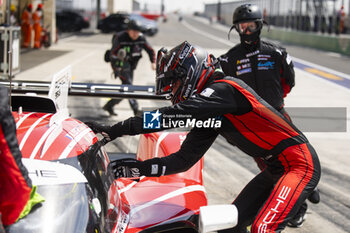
(199, 88)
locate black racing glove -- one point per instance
(109, 133)
(126, 168)
(136, 168)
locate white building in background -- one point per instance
(108, 6)
(282, 8)
(121, 5)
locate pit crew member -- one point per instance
(124, 57)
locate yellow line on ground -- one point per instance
(323, 74)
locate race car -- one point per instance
(73, 172)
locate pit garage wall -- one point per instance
(227, 8)
(49, 14)
(334, 43)
(49, 9)
(114, 6)
(3, 11)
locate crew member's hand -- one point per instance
(153, 66)
(105, 131)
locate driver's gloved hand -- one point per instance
(108, 133)
(126, 168)
(136, 168)
(96, 127)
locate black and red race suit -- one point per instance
(248, 122)
(15, 184)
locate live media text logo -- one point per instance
(155, 120)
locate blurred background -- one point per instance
(318, 16)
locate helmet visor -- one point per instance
(163, 82)
(248, 27)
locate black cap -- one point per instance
(133, 25)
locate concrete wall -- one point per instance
(327, 42)
(2, 11)
(227, 9)
(122, 5)
(110, 6)
(49, 9)
(338, 44)
(49, 14)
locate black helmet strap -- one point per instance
(229, 32)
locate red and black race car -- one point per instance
(72, 171)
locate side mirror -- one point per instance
(217, 217)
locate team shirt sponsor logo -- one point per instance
(246, 60)
(268, 65)
(252, 53)
(263, 57)
(243, 66)
(244, 71)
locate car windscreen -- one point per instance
(142, 19)
(66, 209)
